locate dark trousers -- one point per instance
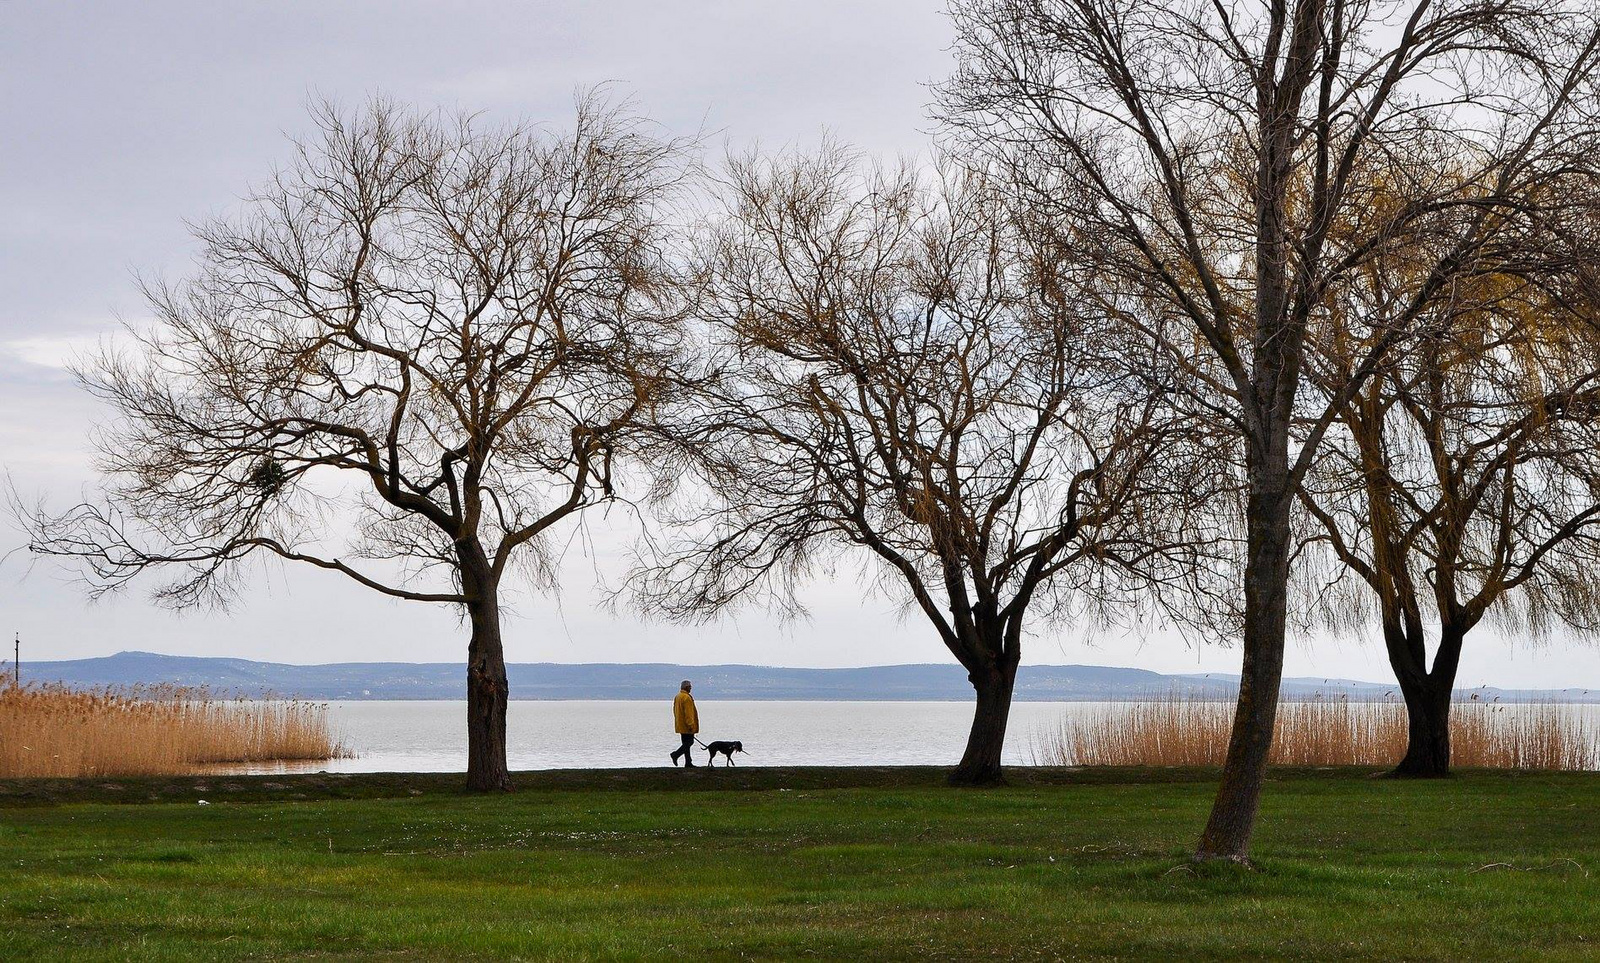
(683, 750)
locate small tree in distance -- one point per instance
(894, 371)
(442, 337)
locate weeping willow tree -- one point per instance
(1462, 483)
(1206, 159)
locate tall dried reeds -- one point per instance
(1177, 731)
(52, 730)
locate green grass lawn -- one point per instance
(861, 864)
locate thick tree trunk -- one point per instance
(980, 764)
(486, 681)
(1233, 814)
(1278, 345)
(1428, 733)
(1427, 696)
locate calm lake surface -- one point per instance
(432, 736)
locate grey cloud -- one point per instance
(122, 119)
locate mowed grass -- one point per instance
(847, 864)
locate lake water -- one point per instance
(432, 736)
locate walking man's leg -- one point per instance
(688, 750)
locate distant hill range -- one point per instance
(545, 680)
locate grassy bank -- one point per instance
(879, 863)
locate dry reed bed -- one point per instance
(1176, 731)
(51, 730)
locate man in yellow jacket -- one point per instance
(685, 722)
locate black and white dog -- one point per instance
(726, 748)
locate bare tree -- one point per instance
(1463, 480)
(415, 351)
(895, 370)
(1208, 158)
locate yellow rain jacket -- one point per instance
(684, 718)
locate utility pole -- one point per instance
(16, 660)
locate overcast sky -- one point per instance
(119, 121)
